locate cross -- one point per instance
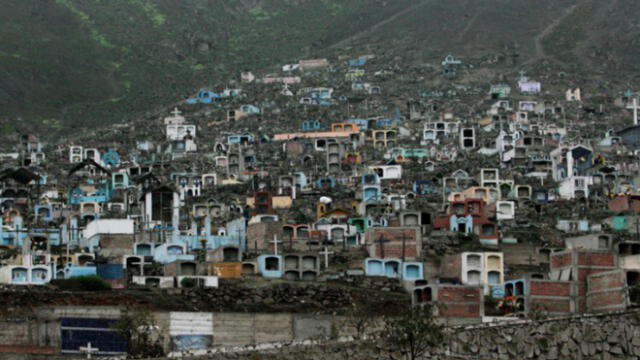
(326, 254)
(275, 244)
(141, 263)
(404, 244)
(381, 242)
(176, 112)
(530, 259)
(88, 350)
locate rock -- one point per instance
(584, 348)
(617, 350)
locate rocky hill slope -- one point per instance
(69, 64)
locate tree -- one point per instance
(413, 332)
(360, 320)
(144, 338)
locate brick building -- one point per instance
(394, 242)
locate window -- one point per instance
(474, 261)
(473, 277)
(493, 277)
(493, 262)
(603, 242)
(488, 229)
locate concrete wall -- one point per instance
(610, 336)
(180, 330)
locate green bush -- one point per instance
(94, 283)
(82, 283)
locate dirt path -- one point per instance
(539, 48)
(378, 25)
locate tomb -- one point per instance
(309, 275)
(291, 275)
(190, 281)
(248, 268)
(144, 249)
(392, 268)
(181, 268)
(374, 267)
(271, 266)
(412, 271)
(291, 262)
(310, 263)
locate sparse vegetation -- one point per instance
(82, 283)
(144, 338)
(413, 332)
(109, 61)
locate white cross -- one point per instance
(275, 242)
(176, 112)
(326, 254)
(88, 350)
(141, 263)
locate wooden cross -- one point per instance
(404, 244)
(381, 242)
(326, 254)
(88, 350)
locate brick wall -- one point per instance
(560, 260)
(606, 280)
(460, 310)
(550, 288)
(115, 245)
(459, 301)
(606, 291)
(459, 294)
(393, 242)
(553, 306)
(554, 297)
(605, 301)
(27, 349)
(451, 266)
(596, 259)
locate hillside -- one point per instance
(72, 63)
(67, 64)
(587, 36)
